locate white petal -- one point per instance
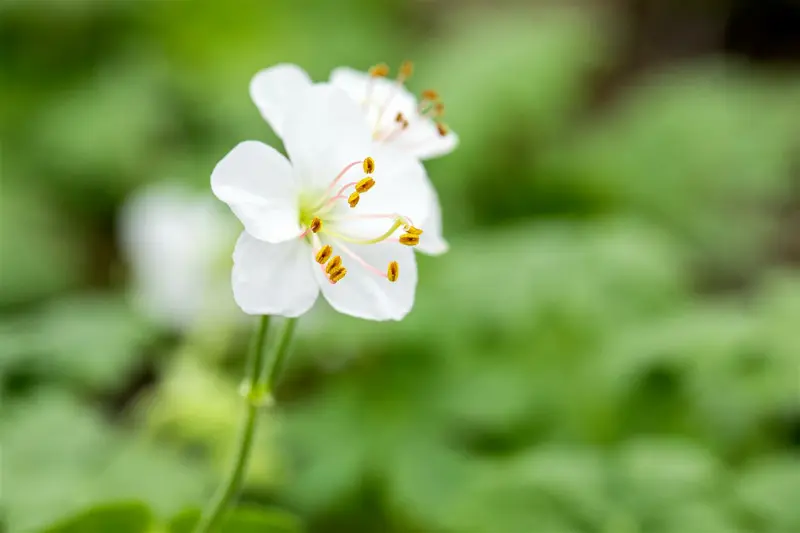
(351, 81)
(256, 182)
(173, 238)
(432, 241)
(363, 293)
(422, 140)
(273, 279)
(277, 89)
(324, 133)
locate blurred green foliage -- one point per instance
(610, 345)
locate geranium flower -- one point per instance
(174, 240)
(339, 218)
(394, 115)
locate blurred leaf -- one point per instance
(195, 407)
(125, 111)
(91, 340)
(653, 476)
(522, 84)
(247, 519)
(767, 492)
(39, 249)
(128, 517)
(697, 149)
(89, 462)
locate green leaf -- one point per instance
(92, 340)
(61, 456)
(243, 519)
(123, 517)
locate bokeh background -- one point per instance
(612, 344)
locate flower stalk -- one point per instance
(261, 375)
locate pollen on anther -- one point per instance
(353, 199)
(393, 272)
(442, 129)
(413, 231)
(324, 254)
(365, 184)
(430, 94)
(409, 240)
(337, 274)
(379, 71)
(333, 264)
(316, 225)
(369, 165)
(406, 70)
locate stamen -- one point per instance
(365, 184)
(399, 117)
(316, 225)
(342, 173)
(369, 165)
(393, 271)
(406, 70)
(442, 129)
(405, 221)
(430, 94)
(328, 192)
(397, 223)
(412, 230)
(438, 109)
(381, 70)
(409, 240)
(333, 264)
(353, 199)
(324, 254)
(337, 274)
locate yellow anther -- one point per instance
(365, 184)
(430, 94)
(406, 70)
(353, 199)
(379, 71)
(442, 129)
(393, 271)
(409, 239)
(333, 264)
(337, 274)
(438, 109)
(399, 117)
(316, 225)
(369, 165)
(412, 230)
(405, 124)
(324, 254)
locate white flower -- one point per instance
(395, 117)
(174, 239)
(307, 226)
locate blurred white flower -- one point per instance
(299, 216)
(176, 243)
(394, 115)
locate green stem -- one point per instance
(258, 393)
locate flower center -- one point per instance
(381, 108)
(319, 215)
